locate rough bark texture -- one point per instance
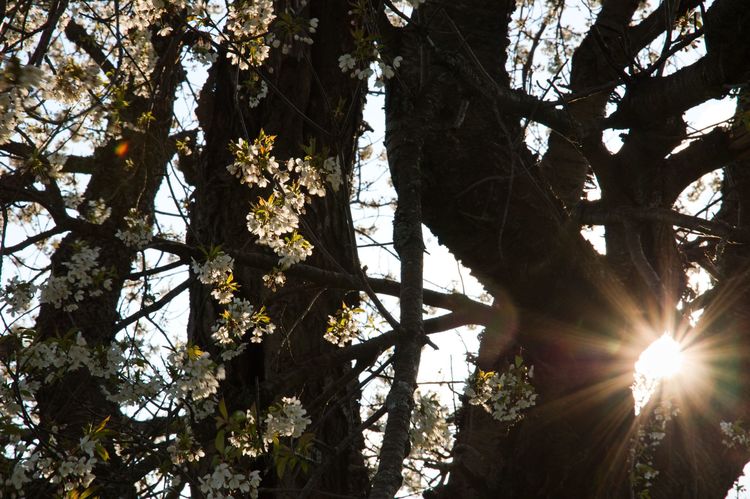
(489, 202)
(76, 400)
(306, 89)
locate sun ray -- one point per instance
(662, 359)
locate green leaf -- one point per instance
(281, 463)
(103, 453)
(88, 492)
(102, 425)
(219, 441)
(223, 409)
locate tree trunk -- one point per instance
(306, 88)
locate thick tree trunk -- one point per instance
(306, 88)
(75, 401)
(578, 319)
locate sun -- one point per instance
(662, 359)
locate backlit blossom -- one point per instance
(287, 419)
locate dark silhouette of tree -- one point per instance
(261, 395)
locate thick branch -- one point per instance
(77, 34)
(150, 309)
(598, 214)
(712, 151)
(317, 366)
(726, 63)
(450, 301)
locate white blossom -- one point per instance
(83, 275)
(137, 232)
(287, 419)
(733, 434)
(224, 480)
(97, 211)
(342, 327)
(196, 378)
(504, 395)
(274, 279)
(185, 449)
(18, 295)
(217, 273)
(347, 63)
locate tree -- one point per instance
(260, 395)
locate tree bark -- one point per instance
(305, 89)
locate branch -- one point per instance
(639, 260)
(15, 188)
(78, 35)
(56, 10)
(339, 280)
(712, 151)
(726, 63)
(650, 28)
(408, 243)
(80, 164)
(515, 101)
(318, 366)
(157, 270)
(150, 309)
(596, 213)
(9, 250)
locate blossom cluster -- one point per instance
(342, 327)
(734, 435)
(286, 419)
(275, 220)
(239, 315)
(429, 427)
(18, 295)
(49, 360)
(362, 68)
(274, 279)
(185, 449)
(194, 382)
(216, 272)
(84, 275)
(195, 378)
(504, 395)
(290, 29)
(69, 468)
(367, 58)
(96, 211)
(430, 438)
(235, 320)
(224, 480)
(17, 81)
(247, 25)
(137, 231)
(647, 439)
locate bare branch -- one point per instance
(596, 213)
(408, 243)
(150, 309)
(449, 301)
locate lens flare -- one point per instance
(662, 359)
(121, 149)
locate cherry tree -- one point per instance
(186, 308)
